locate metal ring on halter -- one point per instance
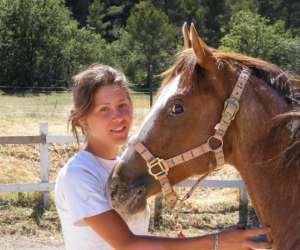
(210, 144)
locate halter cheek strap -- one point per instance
(159, 168)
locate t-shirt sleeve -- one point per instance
(85, 195)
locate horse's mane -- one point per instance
(270, 74)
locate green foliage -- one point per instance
(207, 15)
(96, 17)
(40, 45)
(285, 10)
(127, 59)
(237, 5)
(253, 35)
(32, 38)
(108, 18)
(288, 55)
(216, 14)
(80, 9)
(146, 44)
(86, 47)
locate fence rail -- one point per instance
(45, 186)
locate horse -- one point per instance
(213, 108)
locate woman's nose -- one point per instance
(118, 114)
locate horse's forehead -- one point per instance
(166, 93)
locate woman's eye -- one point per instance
(104, 109)
(177, 108)
(123, 105)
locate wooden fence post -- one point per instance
(243, 214)
(44, 167)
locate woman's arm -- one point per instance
(111, 227)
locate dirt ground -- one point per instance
(9, 242)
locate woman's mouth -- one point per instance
(118, 130)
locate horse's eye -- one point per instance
(177, 108)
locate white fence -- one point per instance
(45, 186)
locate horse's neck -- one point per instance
(272, 188)
(273, 194)
(274, 191)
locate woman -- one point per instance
(102, 110)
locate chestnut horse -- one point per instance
(189, 127)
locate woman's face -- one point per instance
(110, 117)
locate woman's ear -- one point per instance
(83, 123)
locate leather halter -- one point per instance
(159, 168)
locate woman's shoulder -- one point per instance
(78, 166)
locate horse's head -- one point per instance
(188, 107)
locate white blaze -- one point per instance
(160, 103)
(151, 117)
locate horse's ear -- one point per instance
(201, 50)
(186, 36)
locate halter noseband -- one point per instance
(159, 168)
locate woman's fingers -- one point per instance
(258, 245)
(245, 239)
(257, 231)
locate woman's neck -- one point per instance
(108, 152)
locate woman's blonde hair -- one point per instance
(85, 85)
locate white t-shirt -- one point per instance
(80, 193)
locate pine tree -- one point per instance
(108, 18)
(79, 9)
(149, 39)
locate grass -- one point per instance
(21, 213)
(21, 115)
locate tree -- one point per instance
(108, 18)
(237, 5)
(147, 42)
(207, 15)
(216, 14)
(32, 38)
(253, 35)
(80, 10)
(40, 45)
(96, 17)
(86, 47)
(286, 10)
(288, 55)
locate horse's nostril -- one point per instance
(114, 191)
(140, 191)
(113, 194)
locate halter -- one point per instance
(159, 168)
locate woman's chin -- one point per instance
(120, 139)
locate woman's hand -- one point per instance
(241, 239)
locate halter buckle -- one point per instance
(231, 107)
(157, 168)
